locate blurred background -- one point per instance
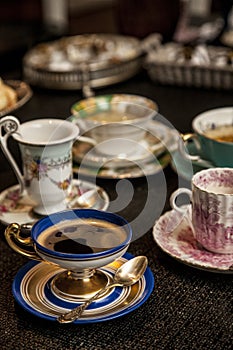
(25, 23)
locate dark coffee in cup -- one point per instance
(82, 236)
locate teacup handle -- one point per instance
(10, 125)
(20, 244)
(82, 128)
(174, 197)
(182, 142)
(87, 140)
(183, 210)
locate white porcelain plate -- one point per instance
(130, 170)
(174, 236)
(143, 162)
(31, 289)
(157, 139)
(14, 208)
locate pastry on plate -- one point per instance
(8, 96)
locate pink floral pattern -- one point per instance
(211, 233)
(11, 202)
(223, 178)
(212, 212)
(173, 234)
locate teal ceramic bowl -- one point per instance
(210, 148)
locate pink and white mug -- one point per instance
(212, 208)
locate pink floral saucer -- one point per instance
(174, 236)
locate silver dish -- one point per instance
(204, 66)
(89, 60)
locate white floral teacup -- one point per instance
(46, 152)
(212, 208)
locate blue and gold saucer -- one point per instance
(32, 290)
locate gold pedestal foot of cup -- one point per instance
(68, 286)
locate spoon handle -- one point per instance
(75, 313)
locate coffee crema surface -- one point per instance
(82, 236)
(222, 133)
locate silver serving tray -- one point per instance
(210, 74)
(83, 61)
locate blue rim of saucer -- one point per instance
(72, 214)
(108, 308)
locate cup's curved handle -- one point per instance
(82, 127)
(20, 244)
(182, 142)
(184, 210)
(174, 197)
(8, 126)
(87, 140)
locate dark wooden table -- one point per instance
(188, 308)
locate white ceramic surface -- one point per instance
(112, 170)
(157, 139)
(20, 209)
(151, 157)
(82, 263)
(46, 149)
